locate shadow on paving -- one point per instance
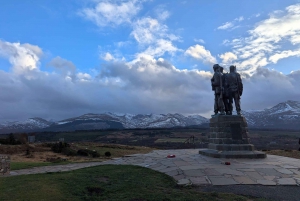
(274, 193)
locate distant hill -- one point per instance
(106, 121)
(284, 115)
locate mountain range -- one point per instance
(106, 120)
(284, 115)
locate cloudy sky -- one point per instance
(60, 59)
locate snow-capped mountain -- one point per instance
(106, 120)
(284, 115)
(142, 120)
(27, 125)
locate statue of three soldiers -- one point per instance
(227, 87)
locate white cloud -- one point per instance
(23, 57)
(199, 52)
(226, 25)
(267, 37)
(228, 57)
(199, 41)
(145, 86)
(295, 39)
(122, 43)
(241, 18)
(284, 54)
(160, 47)
(108, 13)
(157, 83)
(276, 28)
(162, 14)
(107, 57)
(83, 76)
(154, 38)
(152, 35)
(231, 25)
(148, 30)
(270, 87)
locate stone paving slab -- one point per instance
(266, 182)
(244, 180)
(219, 180)
(199, 181)
(212, 172)
(286, 181)
(189, 167)
(184, 182)
(193, 173)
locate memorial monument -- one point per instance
(228, 137)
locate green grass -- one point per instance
(25, 165)
(109, 182)
(170, 140)
(72, 136)
(276, 133)
(115, 149)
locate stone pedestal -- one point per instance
(4, 165)
(228, 138)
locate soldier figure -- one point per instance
(216, 83)
(235, 87)
(225, 91)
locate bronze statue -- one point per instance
(235, 88)
(225, 92)
(217, 87)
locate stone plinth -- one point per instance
(4, 165)
(228, 138)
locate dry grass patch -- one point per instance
(116, 150)
(41, 152)
(286, 153)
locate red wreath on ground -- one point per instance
(171, 156)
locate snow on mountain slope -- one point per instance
(29, 124)
(282, 115)
(142, 120)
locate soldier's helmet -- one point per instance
(232, 68)
(216, 66)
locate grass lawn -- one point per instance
(116, 150)
(171, 140)
(25, 165)
(109, 182)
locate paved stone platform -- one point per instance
(232, 154)
(189, 167)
